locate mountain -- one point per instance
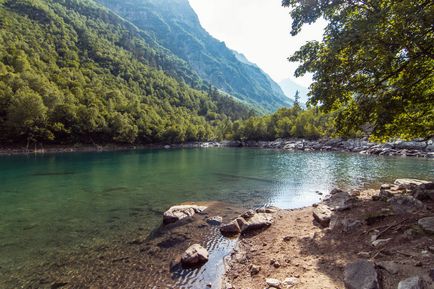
(72, 71)
(176, 26)
(290, 88)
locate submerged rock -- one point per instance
(217, 220)
(361, 275)
(412, 283)
(195, 255)
(180, 212)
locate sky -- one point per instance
(260, 29)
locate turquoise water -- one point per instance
(57, 203)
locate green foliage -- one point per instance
(285, 123)
(71, 71)
(177, 27)
(374, 67)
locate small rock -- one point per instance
(290, 281)
(380, 242)
(389, 266)
(254, 270)
(273, 282)
(194, 255)
(431, 249)
(267, 210)
(287, 238)
(412, 283)
(231, 228)
(177, 213)
(276, 264)
(361, 275)
(322, 214)
(216, 221)
(431, 273)
(364, 255)
(427, 224)
(385, 186)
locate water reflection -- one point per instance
(60, 202)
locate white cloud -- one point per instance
(260, 30)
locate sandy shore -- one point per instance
(311, 256)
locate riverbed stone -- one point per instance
(180, 212)
(322, 214)
(231, 228)
(361, 275)
(414, 282)
(215, 221)
(427, 224)
(195, 255)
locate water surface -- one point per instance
(56, 204)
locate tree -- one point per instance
(374, 66)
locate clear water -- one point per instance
(57, 203)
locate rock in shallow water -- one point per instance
(180, 212)
(361, 275)
(195, 255)
(215, 221)
(231, 228)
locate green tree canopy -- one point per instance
(374, 66)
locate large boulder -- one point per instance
(405, 204)
(427, 224)
(409, 183)
(195, 255)
(255, 222)
(412, 283)
(361, 275)
(322, 214)
(180, 212)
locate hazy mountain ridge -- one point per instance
(290, 87)
(176, 26)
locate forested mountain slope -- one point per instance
(177, 27)
(72, 71)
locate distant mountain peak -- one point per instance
(176, 26)
(290, 88)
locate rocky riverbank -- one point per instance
(416, 148)
(371, 239)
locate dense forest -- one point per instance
(72, 71)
